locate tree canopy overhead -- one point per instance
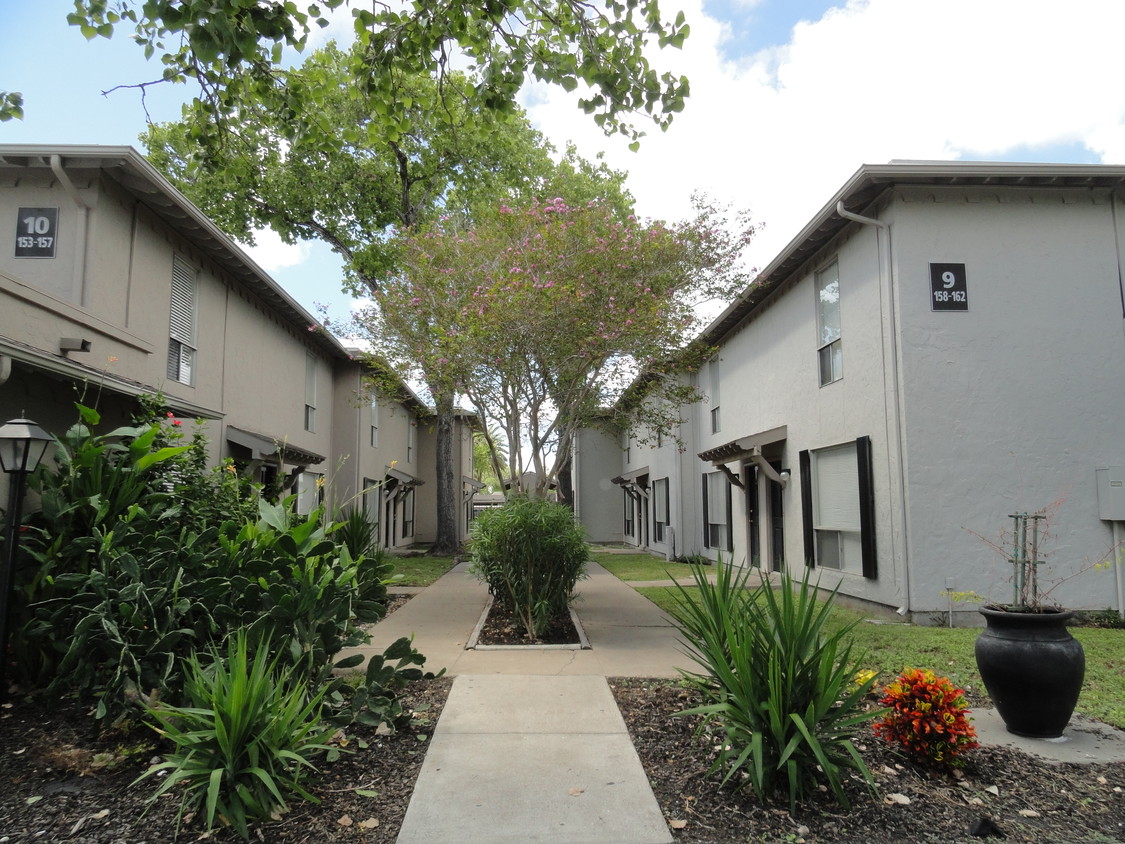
(235, 51)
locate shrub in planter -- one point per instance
(782, 688)
(928, 718)
(531, 553)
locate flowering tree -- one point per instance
(541, 315)
(451, 156)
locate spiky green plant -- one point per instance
(778, 686)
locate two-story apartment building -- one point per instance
(113, 285)
(941, 346)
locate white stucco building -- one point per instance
(941, 346)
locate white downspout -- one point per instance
(80, 204)
(883, 237)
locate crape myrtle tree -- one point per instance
(374, 180)
(237, 51)
(542, 313)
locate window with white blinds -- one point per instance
(717, 511)
(181, 322)
(659, 508)
(836, 511)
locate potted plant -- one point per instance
(1031, 666)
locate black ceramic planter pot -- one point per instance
(1032, 668)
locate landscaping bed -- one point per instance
(501, 628)
(1033, 801)
(82, 782)
(62, 781)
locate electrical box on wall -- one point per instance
(1111, 493)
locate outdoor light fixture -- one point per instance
(22, 446)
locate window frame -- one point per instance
(829, 337)
(311, 365)
(660, 501)
(814, 527)
(183, 322)
(712, 539)
(714, 373)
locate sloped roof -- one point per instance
(869, 182)
(137, 176)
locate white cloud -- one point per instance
(271, 254)
(781, 130)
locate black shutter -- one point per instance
(806, 507)
(706, 526)
(730, 519)
(866, 506)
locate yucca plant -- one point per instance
(244, 742)
(778, 685)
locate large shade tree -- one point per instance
(374, 180)
(542, 314)
(237, 51)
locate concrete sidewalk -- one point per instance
(531, 758)
(530, 746)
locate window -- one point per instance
(181, 322)
(716, 512)
(374, 422)
(713, 373)
(411, 431)
(310, 391)
(372, 500)
(838, 507)
(659, 508)
(310, 492)
(630, 514)
(830, 352)
(408, 513)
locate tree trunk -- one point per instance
(446, 540)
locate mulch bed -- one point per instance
(502, 628)
(1027, 799)
(61, 780)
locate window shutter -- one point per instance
(866, 506)
(182, 321)
(730, 515)
(805, 464)
(706, 520)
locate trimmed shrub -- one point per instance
(780, 688)
(928, 718)
(531, 553)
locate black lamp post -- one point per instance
(22, 446)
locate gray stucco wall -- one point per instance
(1013, 404)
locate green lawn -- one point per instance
(419, 571)
(891, 647)
(640, 566)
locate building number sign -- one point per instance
(949, 290)
(36, 232)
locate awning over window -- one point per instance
(632, 477)
(744, 447)
(262, 447)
